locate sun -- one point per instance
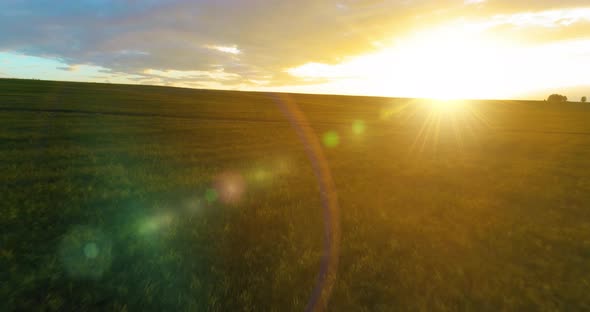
(446, 63)
(453, 61)
(449, 105)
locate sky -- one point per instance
(500, 49)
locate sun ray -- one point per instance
(481, 118)
(420, 132)
(428, 131)
(456, 133)
(437, 132)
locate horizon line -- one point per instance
(281, 92)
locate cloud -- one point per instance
(317, 70)
(549, 18)
(534, 27)
(71, 68)
(233, 42)
(177, 35)
(230, 50)
(219, 74)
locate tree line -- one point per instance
(558, 98)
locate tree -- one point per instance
(583, 99)
(557, 98)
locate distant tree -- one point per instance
(583, 99)
(557, 98)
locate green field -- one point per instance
(110, 201)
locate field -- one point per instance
(116, 197)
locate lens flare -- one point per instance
(282, 166)
(230, 186)
(85, 253)
(331, 139)
(260, 175)
(192, 204)
(155, 223)
(91, 250)
(211, 195)
(329, 264)
(358, 127)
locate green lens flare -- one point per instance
(85, 252)
(211, 195)
(358, 127)
(261, 175)
(331, 139)
(91, 250)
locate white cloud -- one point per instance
(550, 18)
(133, 52)
(259, 82)
(319, 70)
(225, 49)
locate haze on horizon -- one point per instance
(498, 49)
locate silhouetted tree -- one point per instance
(583, 99)
(557, 98)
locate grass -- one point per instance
(110, 202)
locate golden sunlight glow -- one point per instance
(447, 105)
(445, 63)
(458, 60)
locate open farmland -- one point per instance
(114, 197)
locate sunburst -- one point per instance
(458, 121)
